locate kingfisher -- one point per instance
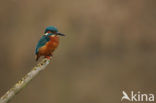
(48, 42)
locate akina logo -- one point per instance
(137, 96)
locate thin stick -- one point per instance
(24, 81)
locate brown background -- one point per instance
(110, 47)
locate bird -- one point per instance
(48, 42)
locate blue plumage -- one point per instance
(51, 28)
(44, 39)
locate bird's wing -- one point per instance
(44, 39)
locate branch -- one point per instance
(24, 81)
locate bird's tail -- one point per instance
(37, 57)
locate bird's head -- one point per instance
(53, 30)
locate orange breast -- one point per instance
(49, 46)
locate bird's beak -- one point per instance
(58, 33)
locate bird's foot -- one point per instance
(48, 57)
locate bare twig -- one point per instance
(24, 81)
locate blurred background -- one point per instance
(109, 47)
